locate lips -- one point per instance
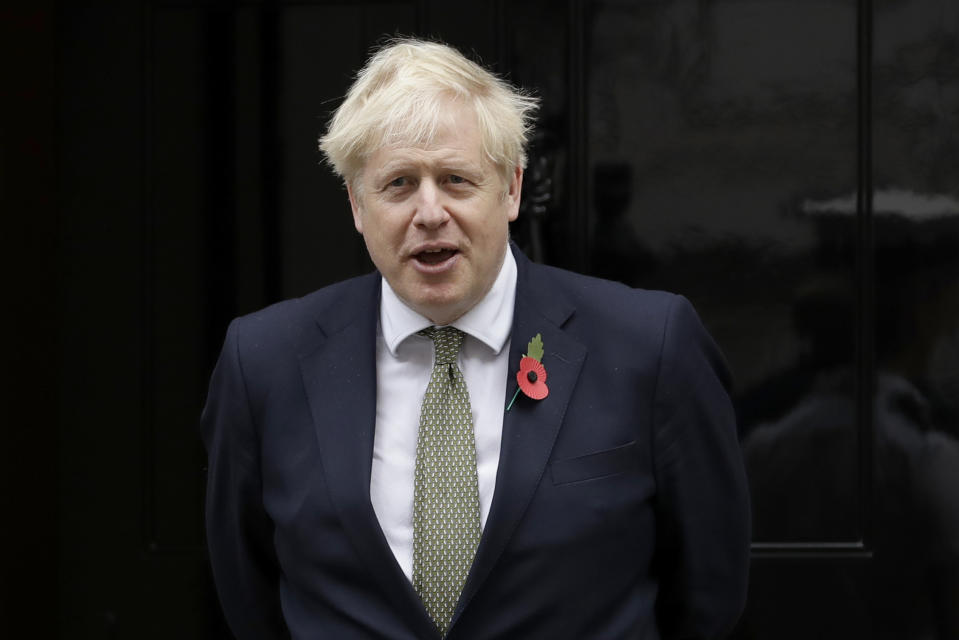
(434, 259)
(435, 256)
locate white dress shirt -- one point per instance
(404, 362)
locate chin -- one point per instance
(441, 309)
(442, 312)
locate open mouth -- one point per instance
(434, 256)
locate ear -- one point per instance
(514, 192)
(357, 210)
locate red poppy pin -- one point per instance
(531, 376)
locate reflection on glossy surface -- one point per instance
(916, 229)
(910, 586)
(917, 457)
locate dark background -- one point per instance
(791, 166)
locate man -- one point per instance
(466, 444)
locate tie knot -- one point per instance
(446, 343)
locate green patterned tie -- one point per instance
(446, 524)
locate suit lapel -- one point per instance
(530, 427)
(340, 380)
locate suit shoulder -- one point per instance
(614, 319)
(613, 301)
(287, 322)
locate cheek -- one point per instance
(495, 226)
(383, 233)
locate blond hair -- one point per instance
(402, 94)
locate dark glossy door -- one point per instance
(791, 166)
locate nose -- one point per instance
(430, 206)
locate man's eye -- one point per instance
(398, 182)
(454, 179)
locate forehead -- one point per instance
(452, 137)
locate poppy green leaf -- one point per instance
(535, 348)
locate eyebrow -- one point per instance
(450, 163)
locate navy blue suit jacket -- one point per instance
(620, 508)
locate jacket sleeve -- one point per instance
(239, 531)
(703, 516)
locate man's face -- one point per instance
(435, 218)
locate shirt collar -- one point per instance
(489, 321)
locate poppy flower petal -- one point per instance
(531, 378)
